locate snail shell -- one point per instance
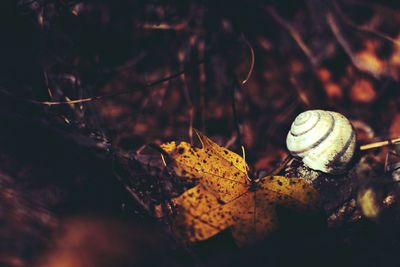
(325, 140)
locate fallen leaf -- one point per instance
(367, 199)
(362, 91)
(225, 196)
(324, 75)
(369, 62)
(333, 90)
(395, 126)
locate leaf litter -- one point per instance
(225, 196)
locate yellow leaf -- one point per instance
(221, 171)
(367, 199)
(225, 196)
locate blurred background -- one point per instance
(86, 85)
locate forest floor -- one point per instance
(87, 88)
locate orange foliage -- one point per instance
(296, 66)
(362, 91)
(333, 90)
(395, 127)
(370, 62)
(324, 75)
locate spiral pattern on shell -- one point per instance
(325, 140)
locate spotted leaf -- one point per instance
(226, 198)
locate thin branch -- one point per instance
(165, 26)
(348, 50)
(130, 63)
(294, 33)
(380, 144)
(374, 6)
(349, 22)
(235, 113)
(281, 166)
(339, 36)
(46, 80)
(202, 85)
(252, 59)
(182, 25)
(187, 97)
(99, 97)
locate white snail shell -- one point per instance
(325, 140)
